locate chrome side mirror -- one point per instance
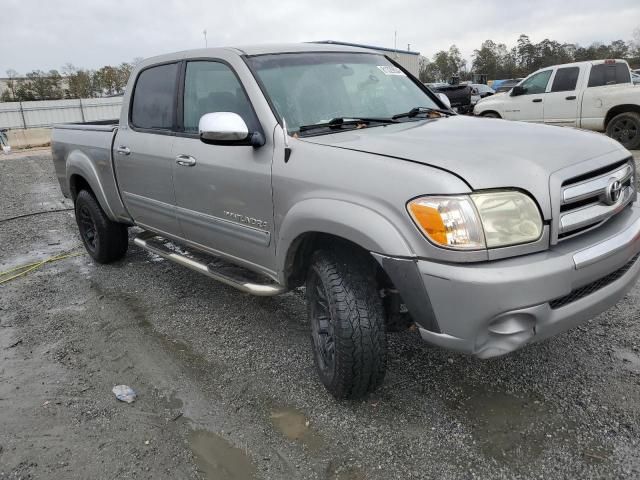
(444, 99)
(223, 127)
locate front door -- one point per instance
(223, 192)
(529, 106)
(143, 150)
(561, 103)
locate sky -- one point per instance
(47, 34)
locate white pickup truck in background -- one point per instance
(596, 95)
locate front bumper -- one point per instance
(493, 308)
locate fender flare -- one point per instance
(79, 164)
(356, 223)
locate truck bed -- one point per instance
(85, 149)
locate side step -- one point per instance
(236, 277)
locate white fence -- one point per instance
(47, 113)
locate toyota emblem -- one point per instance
(612, 192)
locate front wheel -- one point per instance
(347, 323)
(490, 115)
(106, 241)
(625, 128)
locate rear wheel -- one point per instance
(347, 323)
(106, 241)
(625, 128)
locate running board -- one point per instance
(153, 243)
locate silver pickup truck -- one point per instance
(274, 167)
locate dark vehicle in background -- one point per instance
(459, 95)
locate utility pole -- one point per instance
(204, 32)
(395, 42)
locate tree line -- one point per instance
(71, 83)
(498, 61)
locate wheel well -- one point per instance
(78, 183)
(618, 109)
(301, 250)
(484, 114)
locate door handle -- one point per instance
(185, 160)
(122, 150)
(570, 97)
(536, 100)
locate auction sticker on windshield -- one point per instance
(390, 70)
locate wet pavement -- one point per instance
(227, 389)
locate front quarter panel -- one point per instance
(357, 196)
(494, 103)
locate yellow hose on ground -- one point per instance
(24, 269)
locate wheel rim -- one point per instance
(322, 326)
(625, 130)
(87, 227)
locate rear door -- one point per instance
(561, 103)
(223, 194)
(142, 150)
(529, 107)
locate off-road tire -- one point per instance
(106, 241)
(355, 314)
(625, 128)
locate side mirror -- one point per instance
(225, 128)
(444, 99)
(518, 90)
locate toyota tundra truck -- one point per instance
(331, 168)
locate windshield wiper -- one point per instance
(339, 122)
(414, 112)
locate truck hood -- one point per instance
(485, 153)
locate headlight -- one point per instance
(450, 222)
(477, 221)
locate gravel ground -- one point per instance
(227, 390)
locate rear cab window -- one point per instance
(609, 74)
(154, 98)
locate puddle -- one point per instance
(43, 252)
(510, 429)
(218, 459)
(295, 426)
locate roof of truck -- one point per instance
(253, 50)
(297, 47)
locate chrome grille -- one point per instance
(587, 201)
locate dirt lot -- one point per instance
(227, 388)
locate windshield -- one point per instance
(313, 88)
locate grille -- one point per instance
(593, 287)
(584, 203)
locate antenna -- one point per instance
(204, 32)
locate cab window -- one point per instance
(565, 80)
(537, 83)
(154, 98)
(210, 87)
